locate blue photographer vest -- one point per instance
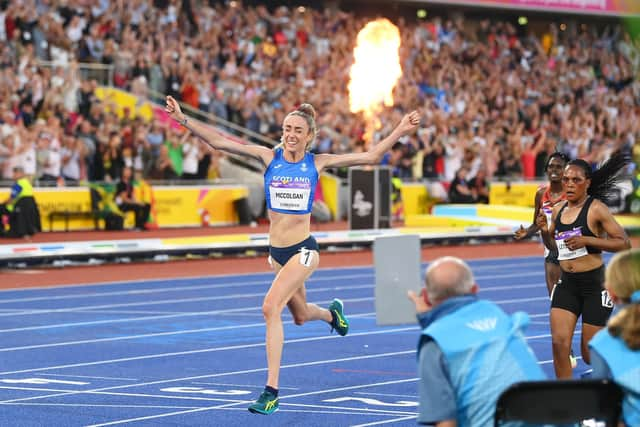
(485, 352)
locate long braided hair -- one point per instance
(606, 177)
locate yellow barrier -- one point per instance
(441, 221)
(414, 199)
(514, 213)
(330, 192)
(178, 206)
(515, 194)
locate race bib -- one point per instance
(564, 253)
(306, 256)
(293, 198)
(607, 302)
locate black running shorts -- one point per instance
(583, 294)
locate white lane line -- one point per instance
(409, 396)
(510, 287)
(347, 411)
(362, 411)
(181, 289)
(171, 280)
(353, 387)
(548, 362)
(112, 393)
(156, 334)
(147, 318)
(519, 300)
(34, 311)
(355, 411)
(476, 265)
(376, 411)
(227, 402)
(131, 312)
(91, 377)
(153, 417)
(395, 420)
(79, 309)
(122, 320)
(132, 337)
(312, 281)
(204, 350)
(173, 301)
(100, 405)
(221, 374)
(258, 386)
(171, 333)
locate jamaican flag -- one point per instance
(103, 198)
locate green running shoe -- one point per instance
(266, 404)
(338, 321)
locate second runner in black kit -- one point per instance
(580, 229)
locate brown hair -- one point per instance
(623, 278)
(308, 113)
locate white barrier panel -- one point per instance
(397, 270)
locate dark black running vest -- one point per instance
(580, 222)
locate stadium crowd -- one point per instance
(494, 97)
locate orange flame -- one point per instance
(375, 72)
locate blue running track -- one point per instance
(190, 352)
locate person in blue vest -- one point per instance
(469, 351)
(290, 179)
(615, 351)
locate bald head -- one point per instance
(448, 277)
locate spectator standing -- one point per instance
(49, 157)
(190, 156)
(72, 154)
(469, 351)
(112, 159)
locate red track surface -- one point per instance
(198, 268)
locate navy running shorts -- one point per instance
(584, 294)
(282, 255)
